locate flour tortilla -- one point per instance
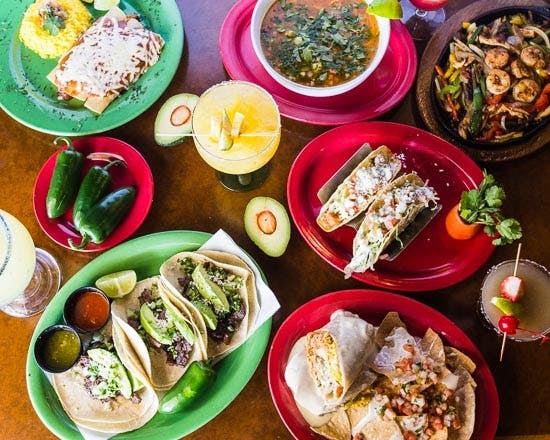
(354, 342)
(171, 271)
(118, 415)
(161, 374)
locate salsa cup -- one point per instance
(87, 309)
(57, 348)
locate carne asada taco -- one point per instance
(394, 208)
(103, 391)
(354, 195)
(166, 339)
(219, 291)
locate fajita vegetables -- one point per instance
(495, 83)
(353, 380)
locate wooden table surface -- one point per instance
(188, 196)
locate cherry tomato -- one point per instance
(508, 324)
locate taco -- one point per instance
(354, 195)
(103, 391)
(394, 208)
(165, 339)
(223, 294)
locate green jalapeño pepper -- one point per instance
(93, 187)
(65, 178)
(196, 380)
(99, 221)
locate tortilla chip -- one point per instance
(455, 358)
(432, 345)
(390, 321)
(338, 428)
(466, 406)
(381, 430)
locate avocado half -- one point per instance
(267, 224)
(173, 120)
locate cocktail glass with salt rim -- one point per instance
(535, 301)
(243, 166)
(29, 277)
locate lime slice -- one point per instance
(386, 8)
(118, 284)
(105, 5)
(506, 306)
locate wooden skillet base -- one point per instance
(434, 48)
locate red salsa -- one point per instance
(90, 310)
(319, 42)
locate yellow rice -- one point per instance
(41, 41)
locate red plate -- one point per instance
(382, 91)
(136, 173)
(372, 305)
(433, 260)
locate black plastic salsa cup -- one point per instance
(57, 348)
(87, 309)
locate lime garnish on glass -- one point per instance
(118, 284)
(386, 8)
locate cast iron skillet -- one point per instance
(539, 14)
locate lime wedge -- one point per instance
(118, 284)
(506, 306)
(105, 5)
(386, 8)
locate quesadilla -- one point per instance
(394, 208)
(354, 195)
(165, 339)
(103, 391)
(223, 294)
(106, 60)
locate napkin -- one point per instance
(220, 241)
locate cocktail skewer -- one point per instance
(514, 274)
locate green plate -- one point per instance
(145, 255)
(28, 96)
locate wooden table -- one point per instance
(182, 180)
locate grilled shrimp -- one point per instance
(498, 81)
(497, 57)
(518, 69)
(526, 90)
(532, 56)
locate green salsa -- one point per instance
(60, 350)
(319, 42)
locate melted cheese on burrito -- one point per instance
(109, 57)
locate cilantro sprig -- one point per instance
(53, 18)
(483, 206)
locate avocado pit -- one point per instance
(267, 222)
(180, 115)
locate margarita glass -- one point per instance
(423, 17)
(535, 301)
(243, 165)
(29, 277)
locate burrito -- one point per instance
(166, 339)
(223, 294)
(394, 208)
(106, 60)
(337, 353)
(103, 391)
(354, 195)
